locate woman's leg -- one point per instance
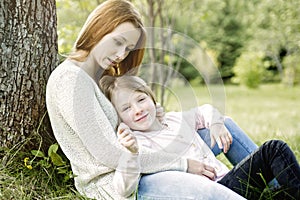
(272, 159)
(241, 145)
(182, 186)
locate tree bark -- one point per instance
(28, 40)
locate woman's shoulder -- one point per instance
(64, 68)
(67, 71)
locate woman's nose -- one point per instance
(121, 54)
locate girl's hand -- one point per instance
(160, 113)
(220, 134)
(127, 139)
(202, 169)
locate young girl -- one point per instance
(141, 132)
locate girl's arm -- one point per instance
(206, 116)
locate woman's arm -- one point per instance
(127, 174)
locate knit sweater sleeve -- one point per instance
(84, 108)
(127, 175)
(79, 106)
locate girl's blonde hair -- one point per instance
(103, 20)
(109, 84)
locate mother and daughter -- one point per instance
(84, 123)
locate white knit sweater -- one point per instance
(84, 123)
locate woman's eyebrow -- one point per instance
(123, 38)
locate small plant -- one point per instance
(51, 161)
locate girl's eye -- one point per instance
(142, 99)
(125, 108)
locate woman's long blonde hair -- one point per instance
(103, 20)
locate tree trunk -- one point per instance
(28, 39)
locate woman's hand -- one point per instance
(127, 139)
(202, 169)
(160, 113)
(220, 134)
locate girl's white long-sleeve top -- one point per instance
(84, 123)
(178, 137)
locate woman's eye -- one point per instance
(118, 42)
(128, 49)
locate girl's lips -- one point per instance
(141, 118)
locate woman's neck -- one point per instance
(90, 68)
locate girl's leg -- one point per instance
(272, 159)
(241, 145)
(240, 148)
(182, 186)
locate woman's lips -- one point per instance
(112, 62)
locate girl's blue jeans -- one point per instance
(273, 159)
(241, 145)
(181, 185)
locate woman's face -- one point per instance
(115, 46)
(136, 109)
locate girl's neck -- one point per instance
(156, 126)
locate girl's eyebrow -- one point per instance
(125, 104)
(141, 95)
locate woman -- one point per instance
(140, 128)
(84, 121)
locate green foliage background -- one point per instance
(225, 29)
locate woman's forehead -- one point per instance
(127, 31)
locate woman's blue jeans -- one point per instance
(181, 185)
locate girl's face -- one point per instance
(136, 109)
(115, 46)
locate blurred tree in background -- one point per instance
(225, 29)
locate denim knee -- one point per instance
(276, 144)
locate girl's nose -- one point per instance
(137, 110)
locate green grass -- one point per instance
(270, 112)
(39, 180)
